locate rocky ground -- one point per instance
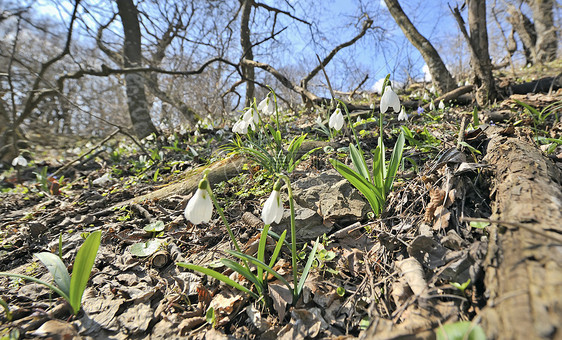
(470, 233)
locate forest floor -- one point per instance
(453, 230)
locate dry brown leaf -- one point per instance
(436, 197)
(412, 272)
(225, 304)
(441, 216)
(281, 297)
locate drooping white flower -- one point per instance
(272, 209)
(240, 127)
(402, 115)
(103, 180)
(466, 83)
(267, 106)
(251, 117)
(432, 89)
(336, 120)
(319, 120)
(425, 96)
(390, 99)
(19, 160)
(199, 209)
(441, 105)
(432, 106)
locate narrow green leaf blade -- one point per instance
(371, 193)
(260, 264)
(82, 268)
(277, 249)
(359, 162)
(57, 269)
(218, 276)
(306, 269)
(244, 272)
(395, 161)
(46, 284)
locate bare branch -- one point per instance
(277, 10)
(366, 25)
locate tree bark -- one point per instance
(483, 79)
(441, 76)
(248, 71)
(547, 41)
(526, 31)
(132, 57)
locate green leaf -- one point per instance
(82, 268)
(461, 330)
(218, 276)
(244, 272)
(210, 317)
(7, 310)
(277, 249)
(306, 269)
(370, 192)
(261, 249)
(46, 284)
(340, 291)
(479, 225)
(144, 249)
(359, 162)
(260, 264)
(155, 227)
(395, 161)
(57, 269)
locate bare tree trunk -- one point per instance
(526, 31)
(547, 41)
(247, 69)
(136, 96)
(483, 79)
(442, 77)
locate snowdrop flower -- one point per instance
(251, 117)
(319, 120)
(200, 207)
(390, 99)
(142, 159)
(425, 96)
(267, 106)
(19, 160)
(460, 83)
(103, 180)
(441, 105)
(402, 115)
(273, 208)
(240, 127)
(466, 83)
(432, 89)
(336, 120)
(431, 106)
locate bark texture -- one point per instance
(132, 57)
(524, 271)
(248, 71)
(441, 76)
(477, 40)
(547, 41)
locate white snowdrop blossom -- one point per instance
(432, 106)
(251, 117)
(432, 89)
(402, 115)
(319, 120)
(267, 106)
(425, 96)
(199, 209)
(272, 209)
(390, 99)
(466, 83)
(240, 127)
(336, 120)
(19, 160)
(441, 105)
(103, 180)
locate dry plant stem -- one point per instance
(552, 236)
(461, 134)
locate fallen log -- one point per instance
(524, 265)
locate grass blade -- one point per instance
(261, 250)
(395, 161)
(306, 269)
(277, 249)
(261, 264)
(244, 272)
(359, 162)
(218, 276)
(46, 284)
(82, 268)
